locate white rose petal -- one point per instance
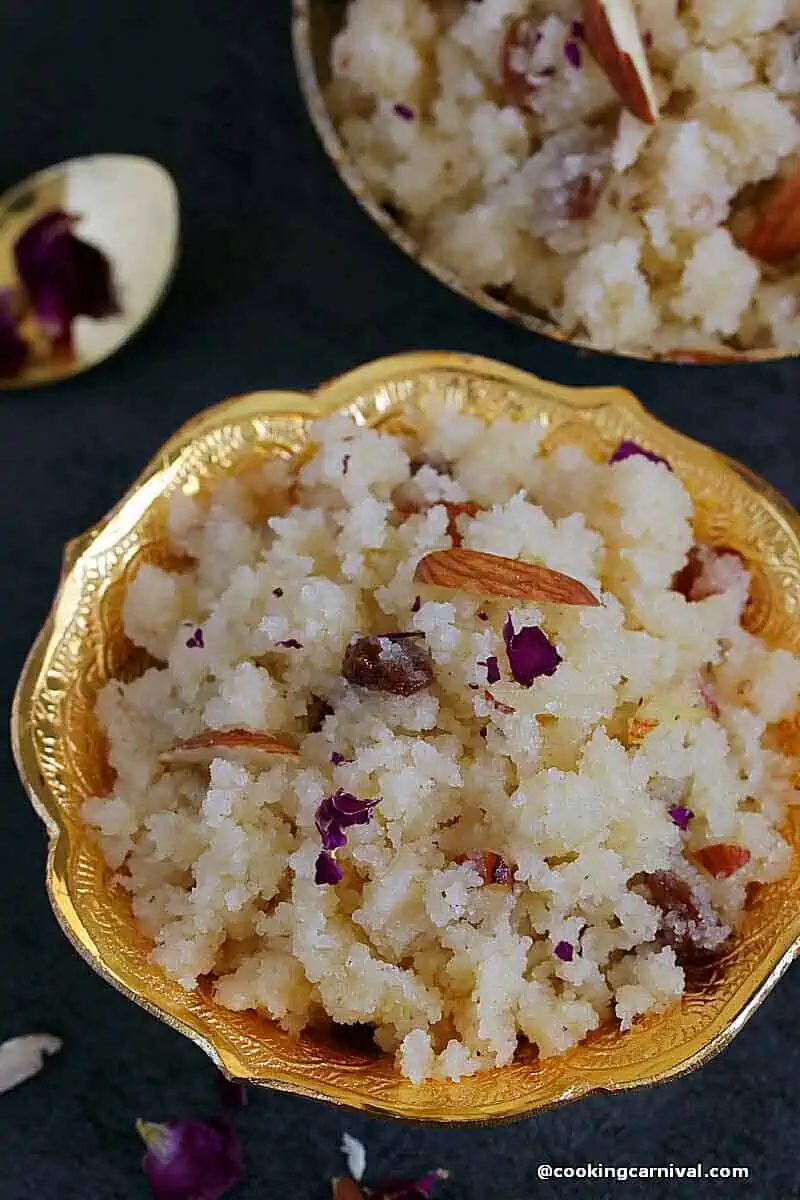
(356, 1155)
(23, 1057)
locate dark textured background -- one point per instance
(283, 283)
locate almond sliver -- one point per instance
(245, 746)
(482, 574)
(775, 237)
(612, 34)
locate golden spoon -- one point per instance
(127, 207)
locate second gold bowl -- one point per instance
(314, 26)
(62, 757)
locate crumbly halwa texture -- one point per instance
(658, 702)
(500, 184)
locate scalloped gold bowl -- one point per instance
(62, 757)
(314, 26)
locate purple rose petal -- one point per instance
(565, 951)
(572, 53)
(290, 644)
(530, 654)
(681, 816)
(191, 1160)
(577, 29)
(404, 112)
(337, 759)
(335, 814)
(13, 349)
(232, 1093)
(63, 276)
(632, 450)
(417, 605)
(346, 464)
(483, 616)
(327, 871)
(195, 641)
(407, 1189)
(492, 669)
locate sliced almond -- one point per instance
(492, 867)
(247, 747)
(481, 574)
(639, 728)
(612, 34)
(775, 237)
(723, 860)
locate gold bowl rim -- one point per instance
(590, 405)
(314, 97)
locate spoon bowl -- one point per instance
(128, 208)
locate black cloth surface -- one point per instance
(283, 283)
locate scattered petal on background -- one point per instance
(356, 1156)
(23, 1057)
(407, 1189)
(232, 1093)
(191, 1160)
(345, 1189)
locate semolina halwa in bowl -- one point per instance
(444, 704)
(510, 147)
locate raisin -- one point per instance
(583, 196)
(692, 581)
(391, 662)
(491, 867)
(316, 713)
(681, 924)
(519, 79)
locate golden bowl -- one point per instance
(61, 754)
(315, 23)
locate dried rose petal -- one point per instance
(407, 1189)
(191, 1160)
(327, 870)
(232, 1093)
(356, 1155)
(23, 1057)
(565, 951)
(63, 276)
(530, 654)
(632, 450)
(492, 669)
(573, 55)
(13, 349)
(345, 1189)
(681, 816)
(335, 814)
